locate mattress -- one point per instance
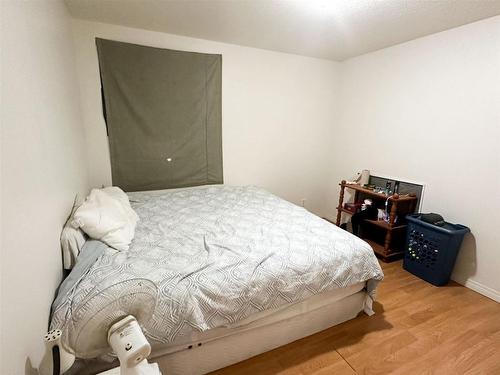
(214, 257)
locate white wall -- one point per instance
(43, 167)
(278, 112)
(429, 110)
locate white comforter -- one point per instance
(219, 254)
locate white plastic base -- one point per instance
(113, 371)
(145, 369)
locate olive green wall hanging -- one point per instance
(163, 115)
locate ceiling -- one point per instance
(330, 29)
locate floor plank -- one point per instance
(417, 329)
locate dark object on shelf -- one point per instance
(386, 238)
(353, 207)
(370, 213)
(431, 251)
(388, 186)
(434, 219)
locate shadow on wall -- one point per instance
(466, 265)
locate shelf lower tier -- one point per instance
(379, 223)
(383, 224)
(380, 252)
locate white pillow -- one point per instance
(122, 197)
(107, 217)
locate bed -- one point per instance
(238, 271)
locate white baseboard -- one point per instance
(481, 289)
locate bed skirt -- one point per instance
(235, 348)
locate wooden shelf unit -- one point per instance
(392, 233)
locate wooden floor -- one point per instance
(417, 329)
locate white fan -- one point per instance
(107, 321)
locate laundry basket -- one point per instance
(431, 251)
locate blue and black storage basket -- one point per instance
(431, 251)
